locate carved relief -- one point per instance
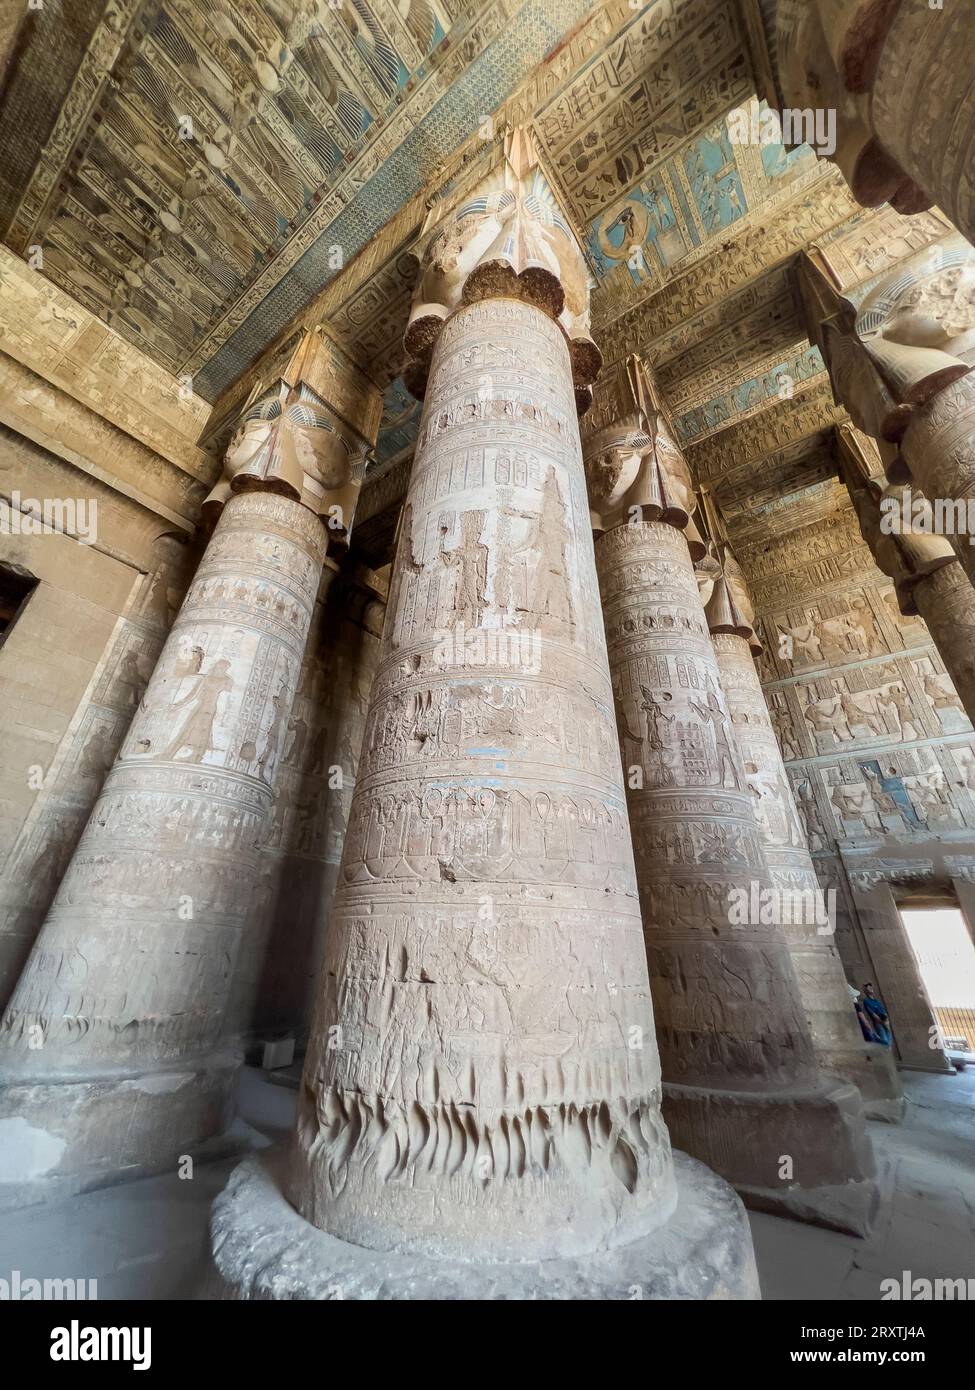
(486, 897)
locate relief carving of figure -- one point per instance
(897, 697)
(854, 802)
(940, 696)
(195, 739)
(267, 761)
(553, 590)
(857, 717)
(888, 802)
(823, 721)
(469, 560)
(807, 642)
(713, 713)
(656, 721)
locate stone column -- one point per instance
(743, 1091)
(800, 905)
(480, 1108)
(963, 882)
(902, 365)
(897, 75)
(897, 524)
(115, 1058)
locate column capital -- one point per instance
(909, 338)
(827, 54)
(728, 605)
(504, 237)
(905, 554)
(887, 86)
(288, 437)
(635, 470)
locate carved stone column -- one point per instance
(800, 905)
(897, 524)
(480, 1107)
(902, 365)
(898, 76)
(742, 1091)
(113, 1048)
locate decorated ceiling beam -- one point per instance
(789, 422)
(741, 258)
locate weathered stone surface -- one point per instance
(928, 579)
(262, 1249)
(729, 1014)
(898, 78)
(473, 1058)
(800, 905)
(482, 1082)
(131, 974)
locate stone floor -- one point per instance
(928, 1225)
(147, 1239)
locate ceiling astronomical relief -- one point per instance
(195, 161)
(198, 171)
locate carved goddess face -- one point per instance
(611, 473)
(937, 312)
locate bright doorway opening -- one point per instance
(941, 942)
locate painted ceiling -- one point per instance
(199, 173)
(196, 171)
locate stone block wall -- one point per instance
(879, 751)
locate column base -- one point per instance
(851, 1208)
(66, 1135)
(815, 1136)
(872, 1070)
(263, 1250)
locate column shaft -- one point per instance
(482, 1078)
(113, 1035)
(742, 1087)
(803, 909)
(946, 602)
(939, 449)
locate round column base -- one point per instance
(262, 1249)
(73, 1133)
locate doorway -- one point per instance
(945, 955)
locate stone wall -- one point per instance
(879, 751)
(72, 668)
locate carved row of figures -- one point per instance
(905, 701)
(478, 567)
(920, 792)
